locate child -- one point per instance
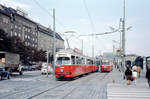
(134, 75)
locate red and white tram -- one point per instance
(70, 64)
(107, 65)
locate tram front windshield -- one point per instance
(63, 61)
(106, 63)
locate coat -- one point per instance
(148, 74)
(128, 72)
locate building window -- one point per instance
(11, 33)
(25, 36)
(5, 20)
(29, 30)
(19, 27)
(11, 27)
(26, 43)
(26, 29)
(15, 33)
(16, 26)
(19, 35)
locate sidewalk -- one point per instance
(120, 90)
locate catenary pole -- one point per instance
(123, 36)
(54, 45)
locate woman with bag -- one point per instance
(128, 74)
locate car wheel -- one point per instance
(21, 73)
(0, 77)
(8, 76)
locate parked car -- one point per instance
(44, 69)
(4, 74)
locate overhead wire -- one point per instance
(92, 25)
(45, 10)
(89, 15)
(100, 33)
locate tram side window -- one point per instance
(88, 61)
(79, 60)
(73, 59)
(92, 62)
(82, 61)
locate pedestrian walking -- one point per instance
(134, 67)
(128, 74)
(134, 75)
(138, 70)
(148, 75)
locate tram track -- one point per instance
(75, 81)
(30, 89)
(85, 80)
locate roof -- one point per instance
(4, 10)
(10, 11)
(49, 32)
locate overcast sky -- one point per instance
(93, 16)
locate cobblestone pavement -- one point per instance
(37, 86)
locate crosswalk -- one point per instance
(123, 91)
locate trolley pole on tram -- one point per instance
(54, 45)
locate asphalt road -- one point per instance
(33, 85)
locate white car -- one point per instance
(44, 70)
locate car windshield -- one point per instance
(63, 60)
(1, 69)
(45, 67)
(106, 63)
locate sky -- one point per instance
(93, 16)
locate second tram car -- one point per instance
(70, 64)
(106, 66)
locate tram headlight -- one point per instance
(61, 70)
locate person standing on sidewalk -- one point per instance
(148, 75)
(128, 74)
(134, 67)
(139, 70)
(134, 75)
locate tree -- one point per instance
(5, 44)
(14, 44)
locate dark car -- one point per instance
(4, 74)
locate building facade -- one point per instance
(45, 40)
(5, 20)
(16, 23)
